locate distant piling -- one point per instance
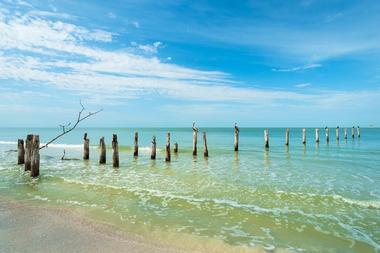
(86, 147)
(237, 130)
(175, 147)
(205, 149)
(28, 152)
(304, 136)
(154, 148)
(195, 137)
(136, 146)
(266, 138)
(317, 135)
(102, 151)
(345, 133)
(115, 151)
(337, 133)
(20, 152)
(353, 132)
(287, 137)
(167, 157)
(358, 131)
(327, 134)
(35, 156)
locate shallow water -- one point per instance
(313, 198)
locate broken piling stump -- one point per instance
(327, 134)
(115, 151)
(28, 151)
(153, 154)
(35, 156)
(195, 137)
(304, 136)
(287, 137)
(266, 138)
(353, 132)
(205, 150)
(317, 135)
(167, 157)
(102, 151)
(136, 146)
(86, 147)
(20, 152)
(236, 144)
(358, 131)
(175, 147)
(337, 133)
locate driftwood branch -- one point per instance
(66, 129)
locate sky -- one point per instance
(168, 63)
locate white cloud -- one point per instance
(56, 54)
(308, 66)
(303, 85)
(136, 24)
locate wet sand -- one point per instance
(26, 228)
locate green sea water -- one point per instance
(304, 198)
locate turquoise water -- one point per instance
(312, 198)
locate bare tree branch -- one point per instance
(66, 129)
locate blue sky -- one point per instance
(168, 63)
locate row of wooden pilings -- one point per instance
(28, 154)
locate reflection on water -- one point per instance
(306, 198)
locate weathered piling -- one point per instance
(20, 152)
(102, 151)
(86, 147)
(136, 146)
(35, 157)
(353, 132)
(317, 135)
(115, 151)
(195, 138)
(175, 147)
(154, 148)
(205, 149)
(337, 133)
(167, 157)
(327, 134)
(304, 136)
(237, 130)
(28, 151)
(358, 131)
(287, 137)
(345, 133)
(266, 138)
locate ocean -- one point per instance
(303, 198)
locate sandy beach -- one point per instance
(43, 229)
(27, 228)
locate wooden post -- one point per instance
(358, 131)
(176, 148)
(327, 134)
(102, 151)
(304, 136)
(337, 133)
(86, 147)
(287, 137)
(115, 151)
(205, 150)
(136, 148)
(266, 138)
(237, 130)
(20, 151)
(28, 151)
(345, 133)
(35, 157)
(353, 132)
(317, 135)
(195, 137)
(167, 158)
(153, 154)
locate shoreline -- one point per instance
(30, 228)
